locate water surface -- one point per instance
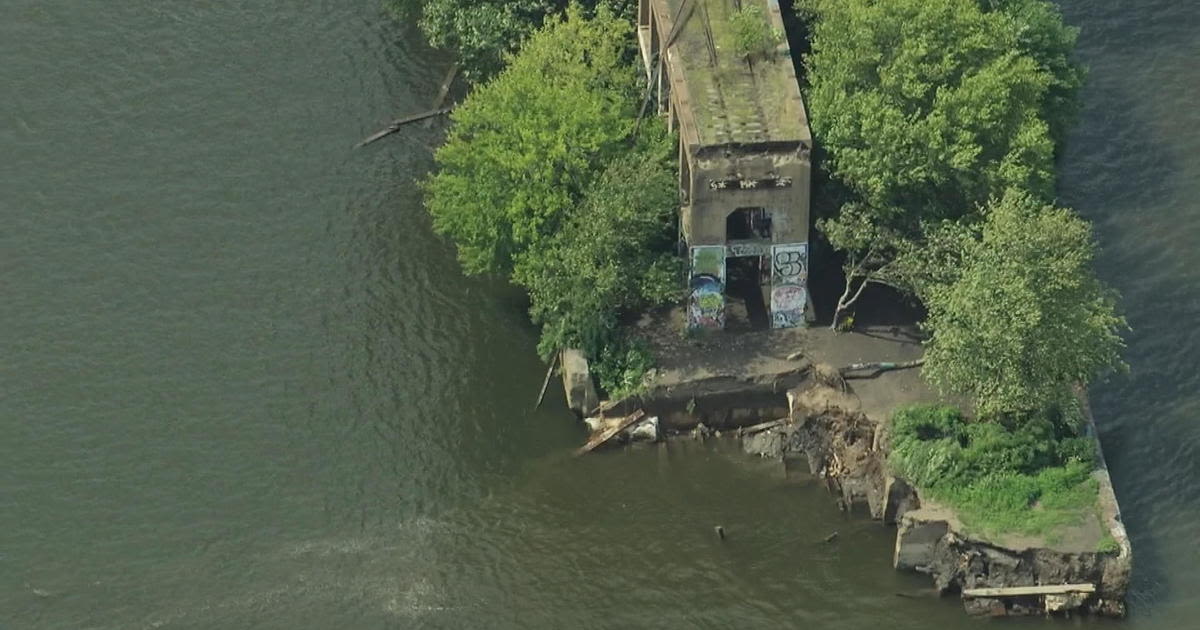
(244, 386)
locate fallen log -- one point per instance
(444, 91)
(859, 370)
(609, 433)
(398, 123)
(762, 426)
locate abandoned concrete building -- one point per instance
(744, 157)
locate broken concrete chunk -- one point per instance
(916, 542)
(577, 382)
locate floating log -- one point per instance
(397, 124)
(439, 108)
(546, 383)
(444, 91)
(1016, 591)
(607, 434)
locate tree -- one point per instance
(1042, 35)
(1020, 317)
(482, 32)
(928, 107)
(613, 255)
(752, 32)
(525, 145)
(873, 253)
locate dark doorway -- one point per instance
(744, 288)
(748, 224)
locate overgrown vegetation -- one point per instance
(1029, 475)
(927, 109)
(940, 119)
(1016, 314)
(481, 32)
(540, 179)
(752, 32)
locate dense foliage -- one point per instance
(612, 255)
(927, 107)
(752, 32)
(481, 32)
(525, 145)
(1017, 315)
(1025, 477)
(540, 178)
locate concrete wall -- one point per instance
(724, 179)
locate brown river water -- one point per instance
(243, 385)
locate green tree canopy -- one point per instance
(524, 146)
(1019, 316)
(928, 107)
(480, 31)
(1042, 35)
(614, 254)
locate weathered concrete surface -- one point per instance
(846, 448)
(837, 430)
(728, 380)
(957, 560)
(917, 541)
(577, 382)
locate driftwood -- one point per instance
(546, 383)
(397, 124)
(762, 426)
(871, 370)
(444, 91)
(439, 108)
(607, 434)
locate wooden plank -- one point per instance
(607, 434)
(546, 383)
(1015, 591)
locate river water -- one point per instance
(244, 386)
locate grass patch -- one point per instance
(1028, 476)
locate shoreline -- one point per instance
(798, 413)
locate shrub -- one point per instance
(1026, 475)
(752, 32)
(622, 366)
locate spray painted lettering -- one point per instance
(789, 285)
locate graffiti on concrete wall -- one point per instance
(789, 285)
(746, 248)
(706, 300)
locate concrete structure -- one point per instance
(744, 157)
